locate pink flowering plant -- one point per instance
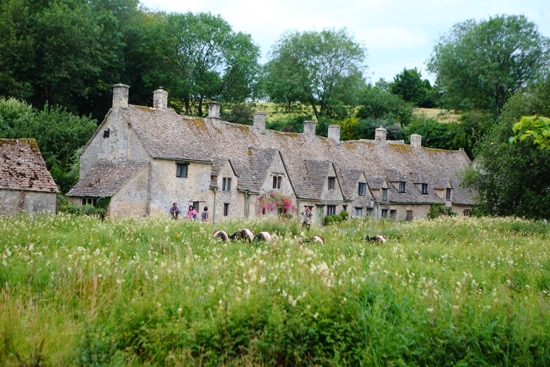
(275, 200)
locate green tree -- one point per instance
(59, 135)
(411, 88)
(382, 105)
(482, 64)
(535, 128)
(322, 69)
(513, 178)
(200, 58)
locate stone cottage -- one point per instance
(25, 183)
(146, 158)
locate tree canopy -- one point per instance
(410, 86)
(480, 65)
(323, 69)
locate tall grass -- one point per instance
(132, 292)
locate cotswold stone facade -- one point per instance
(26, 186)
(146, 158)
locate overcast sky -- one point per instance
(396, 33)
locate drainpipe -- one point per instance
(214, 211)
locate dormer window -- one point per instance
(277, 182)
(226, 184)
(181, 169)
(331, 183)
(448, 193)
(362, 189)
(402, 186)
(384, 194)
(106, 133)
(424, 189)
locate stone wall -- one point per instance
(14, 202)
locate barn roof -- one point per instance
(22, 167)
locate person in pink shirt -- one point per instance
(191, 213)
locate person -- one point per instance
(191, 213)
(204, 214)
(174, 211)
(306, 217)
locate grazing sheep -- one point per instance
(244, 234)
(264, 236)
(316, 238)
(221, 235)
(378, 238)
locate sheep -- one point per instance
(265, 236)
(221, 235)
(244, 234)
(377, 238)
(316, 238)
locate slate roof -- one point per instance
(22, 167)
(167, 135)
(106, 178)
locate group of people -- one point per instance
(191, 212)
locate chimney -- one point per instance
(259, 121)
(380, 135)
(120, 95)
(309, 127)
(214, 110)
(334, 133)
(160, 99)
(416, 141)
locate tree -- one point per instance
(200, 58)
(323, 69)
(382, 105)
(513, 178)
(411, 88)
(535, 128)
(482, 64)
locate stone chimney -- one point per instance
(214, 110)
(416, 141)
(334, 133)
(160, 99)
(120, 95)
(259, 121)
(380, 135)
(310, 127)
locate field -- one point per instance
(78, 291)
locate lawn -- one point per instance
(78, 291)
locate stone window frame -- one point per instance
(402, 186)
(226, 184)
(424, 188)
(448, 194)
(331, 182)
(277, 182)
(362, 189)
(225, 209)
(384, 213)
(384, 194)
(180, 172)
(358, 211)
(89, 201)
(331, 209)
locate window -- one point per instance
(384, 194)
(358, 212)
(277, 181)
(401, 186)
(89, 201)
(448, 193)
(424, 189)
(331, 209)
(409, 215)
(362, 189)
(384, 213)
(106, 133)
(226, 184)
(225, 209)
(467, 212)
(181, 169)
(331, 183)
(344, 208)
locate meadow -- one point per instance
(78, 291)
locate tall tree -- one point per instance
(200, 58)
(482, 64)
(410, 86)
(323, 69)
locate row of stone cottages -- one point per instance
(146, 158)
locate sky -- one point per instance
(397, 34)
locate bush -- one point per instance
(336, 218)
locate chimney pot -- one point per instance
(120, 95)
(214, 110)
(310, 127)
(380, 135)
(160, 98)
(334, 133)
(259, 121)
(416, 141)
